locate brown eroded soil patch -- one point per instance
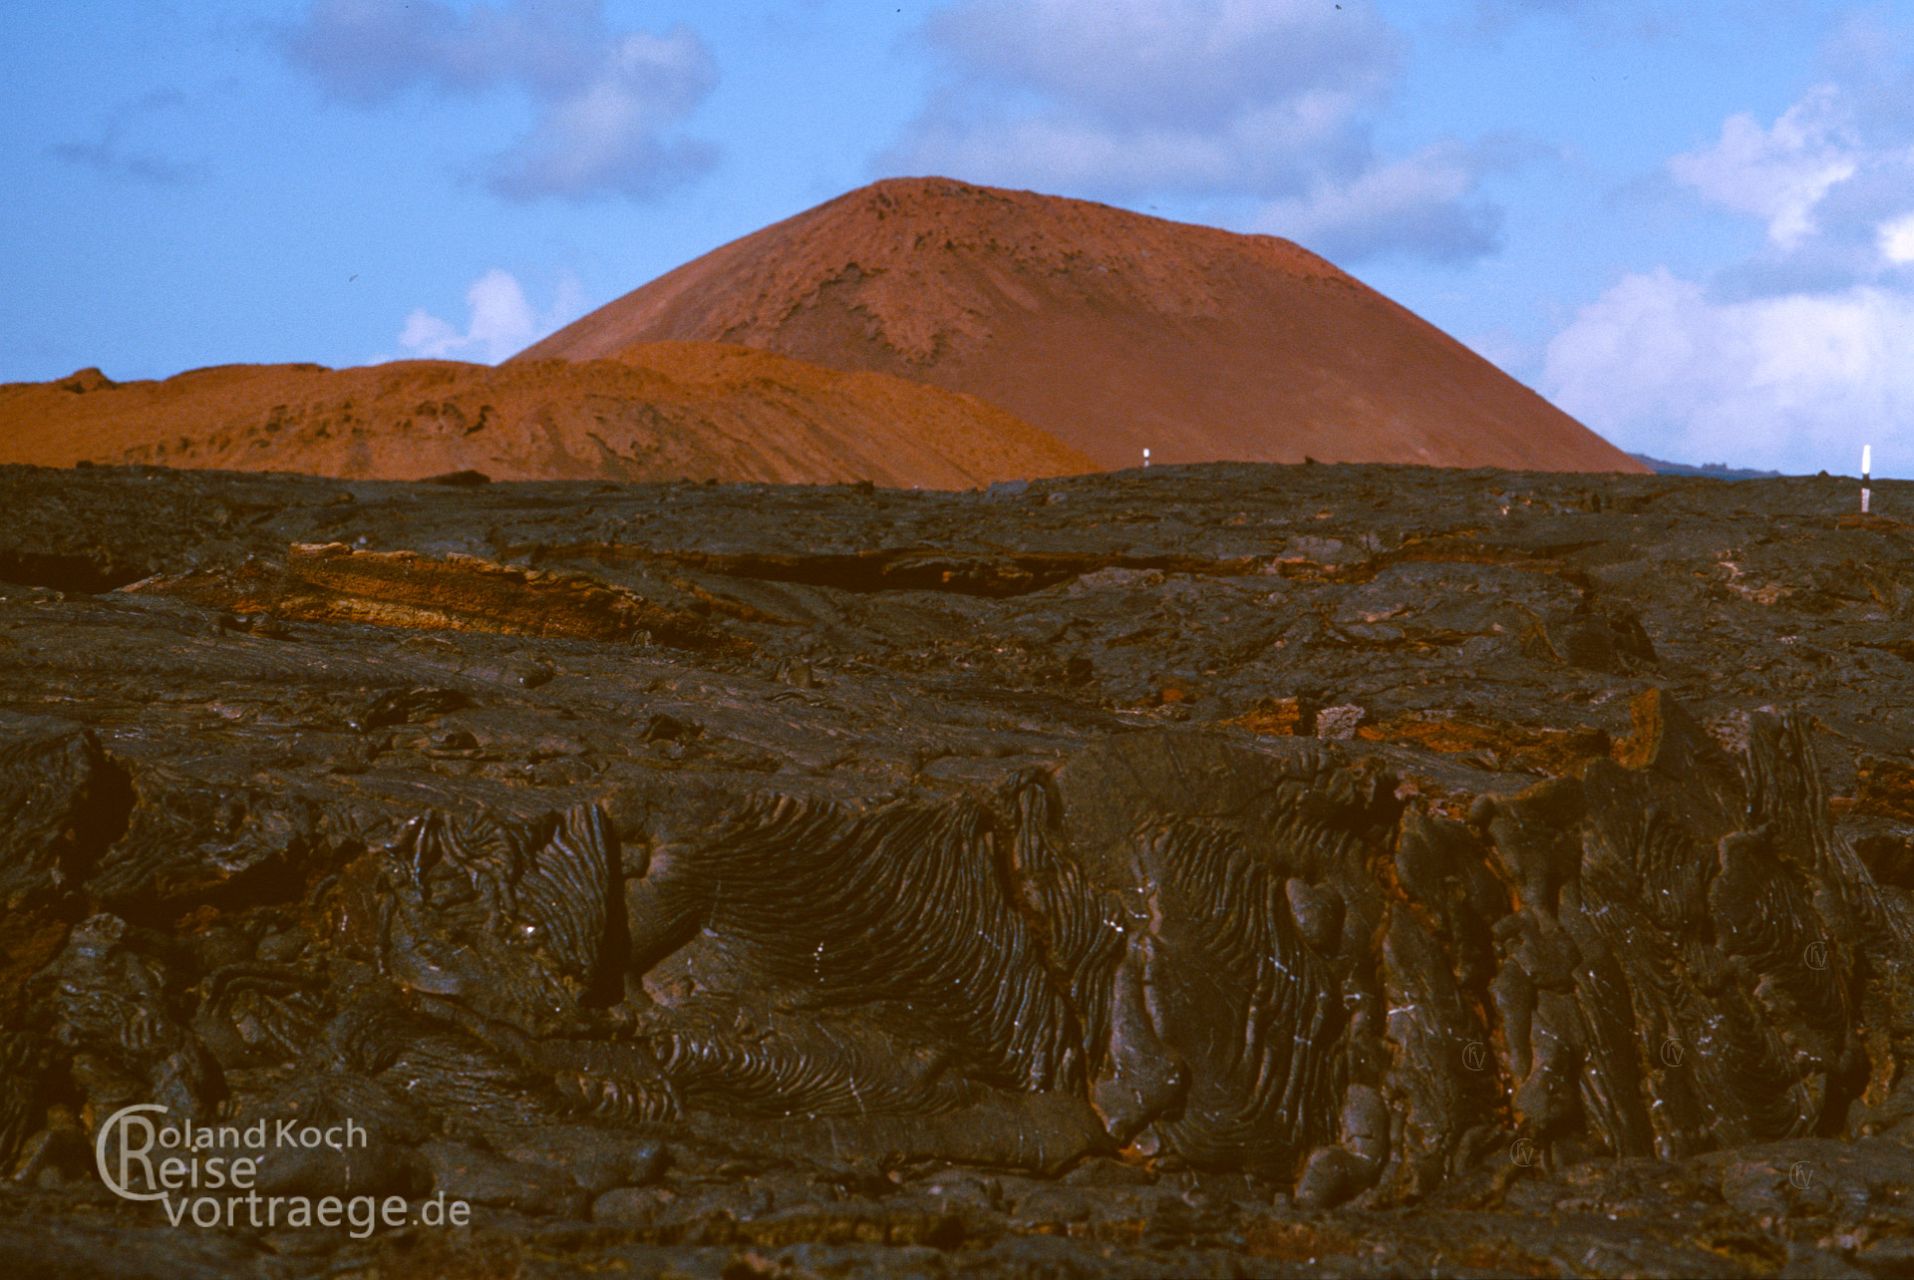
(668, 411)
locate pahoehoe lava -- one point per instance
(1212, 870)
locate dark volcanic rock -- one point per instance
(1211, 871)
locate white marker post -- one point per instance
(1146, 457)
(1867, 468)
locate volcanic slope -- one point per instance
(659, 411)
(1112, 330)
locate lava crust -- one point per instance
(1213, 870)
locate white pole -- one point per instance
(1146, 457)
(1867, 478)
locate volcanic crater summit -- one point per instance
(1111, 330)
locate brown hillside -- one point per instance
(1111, 330)
(658, 412)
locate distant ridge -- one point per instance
(1712, 470)
(1111, 330)
(659, 411)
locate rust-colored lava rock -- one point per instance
(332, 582)
(1111, 330)
(1218, 870)
(659, 411)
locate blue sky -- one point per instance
(1691, 225)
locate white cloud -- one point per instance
(500, 321)
(1424, 203)
(1796, 382)
(1896, 239)
(1187, 63)
(605, 99)
(1779, 174)
(600, 140)
(1799, 354)
(1264, 102)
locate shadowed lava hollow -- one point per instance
(1204, 871)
